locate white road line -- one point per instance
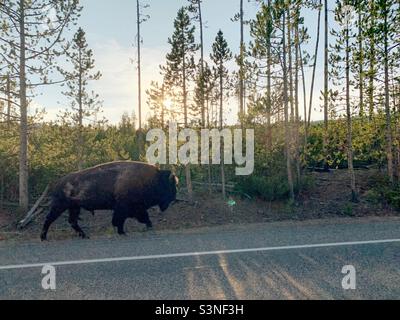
(196, 254)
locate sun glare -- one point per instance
(168, 103)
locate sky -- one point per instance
(110, 28)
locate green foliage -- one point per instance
(383, 192)
(267, 188)
(368, 143)
(348, 209)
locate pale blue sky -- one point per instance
(111, 31)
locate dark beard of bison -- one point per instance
(164, 207)
(165, 204)
(168, 190)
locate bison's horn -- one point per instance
(173, 177)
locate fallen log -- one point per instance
(219, 185)
(35, 210)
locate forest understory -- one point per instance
(327, 198)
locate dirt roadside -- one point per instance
(327, 200)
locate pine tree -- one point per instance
(180, 67)
(282, 14)
(220, 55)
(241, 61)
(262, 31)
(156, 100)
(386, 14)
(196, 8)
(341, 61)
(31, 34)
(371, 54)
(84, 104)
(326, 84)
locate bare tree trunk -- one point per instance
(361, 71)
(139, 44)
(269, 89)
(290, 69)
(389, 137)
(203, 107)
(2, 190)
(23, 153)
(315, 63)
(326, 86)
(221, 125)
(163, 106)
(203, 111)
(349, 123)
(187, 167)
(293, 117)
(9, 98)
(303, 77)
(80, 116)
(296, 90)
(372, 53)
(396, 137)
(286, 107)
(208, 126)
(241, 59)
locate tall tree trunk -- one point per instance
(396, 137)
(389, 137)
(241, 59)
(286, 107)
(163, 106)
(326, 85)
(203, 111)
(315, 63)
(185, 108)
(269, 88)
(80, 116)
(139, 44)
(221, 125)
(140, 134)
(204, 123)
(23, 153)
(209, 123)
(361, 62)
(293, 106)
(303, 78)
(296, 99)
(372, 61)
(184, 92)
(9, 98)
(2, 190)
(349, 123)
(290, 68)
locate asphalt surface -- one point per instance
(297, 261)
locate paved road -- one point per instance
(268, 261)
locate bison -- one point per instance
(129, 189)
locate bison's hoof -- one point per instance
(83, 236)
(43, 237)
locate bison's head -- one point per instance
(169, 183)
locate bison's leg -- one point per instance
(118, 221)
(143, 217)
(73, 221)
(55, 213)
